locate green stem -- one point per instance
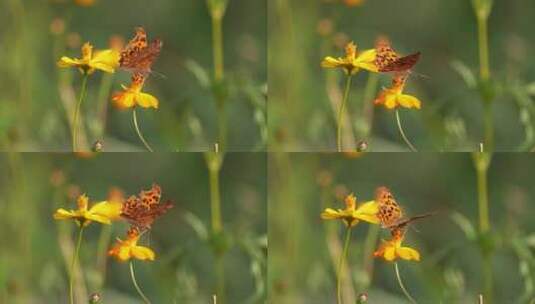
(340, 265)
(133, 276)
(217, 44)
(134, 118)
(411, 299)
(405, 139)
(482, 163)
(102, 109)
(483, 40)
(369, 245)
(214, 163)
(489, 126)
(77, 112)
(103, 241)
(221, 124)
(73, 263)
(341, 114)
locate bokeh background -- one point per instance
(303, 249)
(37, 98)
(35, 249)
(302, 94)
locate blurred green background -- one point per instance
(302, 33)
(34, 248)
(303, 248)
(36, 97)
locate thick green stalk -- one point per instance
(341, 114)
(340, 266)
(77, 112)
(73, 263)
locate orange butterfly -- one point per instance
(142, 210)
(390, 213)
(387, 60)
(138, 55)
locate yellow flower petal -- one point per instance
(67, 62)
(330, 214)
(408, 253)
(409, 101)
(62, 214)
(97, 218)
(146, 100)
(390, 253)
(331, 62)
(106, 60)
(368, 212)
(110, 210)
(391, 101)
(142, 253)
(124, 100)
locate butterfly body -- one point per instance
(142, 210)
(388, 60)
(139, 55)
(390, 213)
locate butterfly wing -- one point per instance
(141, 211)
(389, 210)
(138, 56)
(401, 64)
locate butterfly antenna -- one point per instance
(156, 73)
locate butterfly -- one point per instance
(387, 60)
(390, 213)
(138, 55)
(142, 210)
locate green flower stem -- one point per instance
(103, 242)
(405, 139)
(483, 40)
(214, 161)
(341, 114)
(133, 276)
(73, 263)
(411, 299)
(139, 134)
(83, 92)
(217, 15)
(484, 73)
(482, 163)
(340, 265)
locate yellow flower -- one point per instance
(132, 96)
(353, 61)
(127, 249)
(391, 250)
(351, 214)
(106, 60)
(353, 2)
(103, 212)
(393, 97)
(85, 2)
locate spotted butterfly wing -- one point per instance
(389, 210)
(142, 210)
(387, 60)
(138, 55)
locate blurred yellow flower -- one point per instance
(85, 2)
(132, 96)
(391, 250)
(352, 214)
(353, 2)
(106, 60)
(102, 212)
(353, 61)
(393, 97)
(127, 249)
